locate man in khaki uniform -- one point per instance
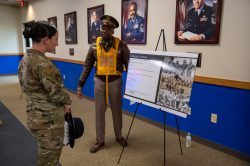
(111, 55)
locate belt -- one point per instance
(111, 78)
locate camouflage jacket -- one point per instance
(41, 81)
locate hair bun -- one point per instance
(38, 30)
(27, 32)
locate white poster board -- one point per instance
(162, 80)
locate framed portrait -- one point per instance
(197, 21)
(70, 25)
(134, 21)
(53, 21)
(94, 22)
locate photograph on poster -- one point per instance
(197, 21)
(94, 22)
(176, 82)
(134, 21)
(166, 85)
(70, 28)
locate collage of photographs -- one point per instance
(176, 83)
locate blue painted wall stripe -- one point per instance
(9, 64)
(230, 104)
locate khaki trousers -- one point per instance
(115, 99)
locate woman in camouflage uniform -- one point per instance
(47, 99)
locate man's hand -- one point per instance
(67, 108)
(197, 37)
(79, 92)
(179, 34)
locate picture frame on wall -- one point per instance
(134, 21)
(53, 21)
(94, 15)
(197, 21)
(70, 24)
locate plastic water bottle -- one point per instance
(188, 140)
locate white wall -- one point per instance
(227, 60)
(10, 30)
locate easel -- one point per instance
(129, 130)
(176, 118)
(177, 126)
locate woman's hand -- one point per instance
(67, 108)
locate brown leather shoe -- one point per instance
(122, 142)
(97, 146)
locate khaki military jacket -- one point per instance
(122, 61)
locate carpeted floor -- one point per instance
(17, 146)
(145, 140)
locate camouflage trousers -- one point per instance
(49, 138)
